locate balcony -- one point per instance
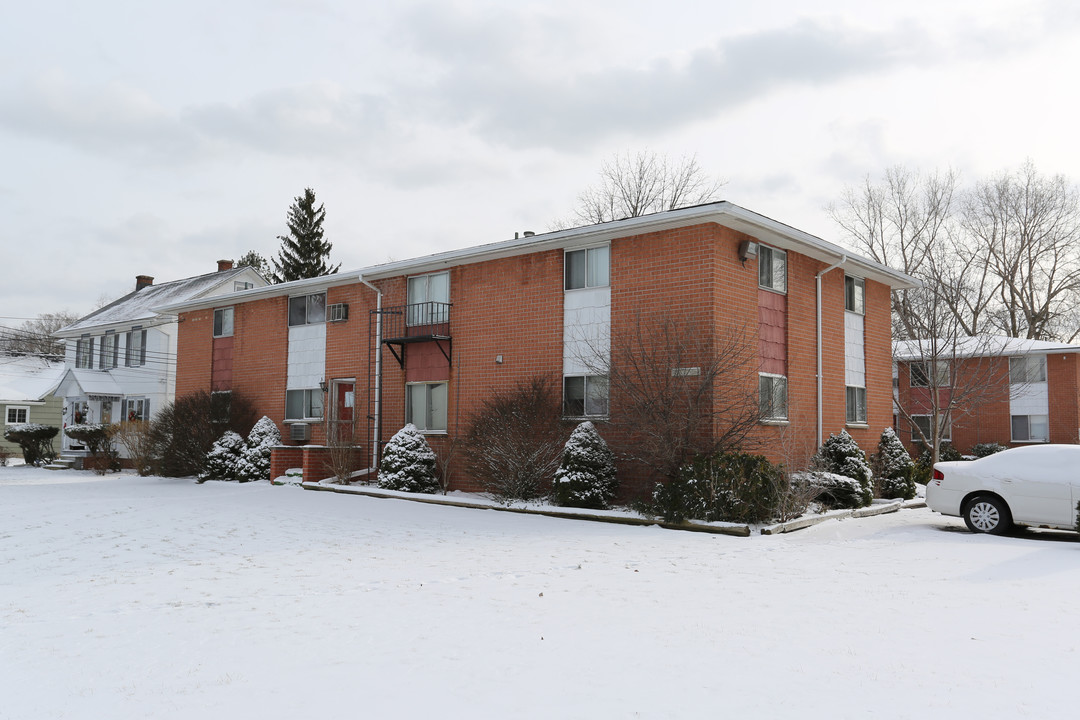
(418, 322)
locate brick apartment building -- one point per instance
(990, 389)
(426, 340)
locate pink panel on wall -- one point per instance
(772, 332)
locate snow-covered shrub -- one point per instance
(515, 441)
(731, 487)
(981, 450)
(840, 454)
(223, 460)
(34, 440)
(586, 475)
(408, 463)
(255, 461)
(98, 439)
(833, 489)
(892, 467)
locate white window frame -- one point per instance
(418, 295)
(25, 409)
(434, 420)
(772, 268)
(772, 397)
(597, 270)
(135, 409)
(595, 396)
(941, 371)
(1027, 369)
(308, 396)
(1027, 426)
(310, 308)
(219, 327)
(133, 348)
(854, 294)
(859, 395)
(946, 433)
(109, 353)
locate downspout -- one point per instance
(820, 423)
(378, 376)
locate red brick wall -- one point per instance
(1061, 374)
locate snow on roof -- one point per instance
(28, 377)
(140, 304)
(977, 346)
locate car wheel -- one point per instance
(987, 514)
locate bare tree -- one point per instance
(34, 337)
(635, 185)
(677, 393)
(1030, 227)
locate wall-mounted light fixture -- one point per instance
(498, 360)
(747, 249)
(323, 386)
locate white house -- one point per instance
(120, 361)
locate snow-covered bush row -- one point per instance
(35, 441)
(234, 458)
(731, 487)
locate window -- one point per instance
(136, 347)
(585, 396)
(241, 285)
(772, 268)
(136, 409)
(304, 404)
(18, 414)
(1030, 428)
(428, 297)
(927, 374)
(772, 396)
(588, 268)
(110, 350)
(84, 352)
(223, 322)
(856, 405)
(425, 406)
(1028, 369)
(854, 294)
(307, 309)
(922, 422)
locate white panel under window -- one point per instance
(1029, 399)
(307, 355)
(854, 350)
(586, 331)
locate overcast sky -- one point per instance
(157, 137)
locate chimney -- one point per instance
(223, 265)
(142, 281)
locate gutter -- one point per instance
(377, 389)
(817, 280)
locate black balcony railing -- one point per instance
(416, 322)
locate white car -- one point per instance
(1033, 485)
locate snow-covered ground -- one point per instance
(128, 597)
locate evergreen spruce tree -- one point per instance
(586, 476)
(893, 466)
(304, 253)
(409, 463)
(255, 461)
(223, 460)
(841, 455)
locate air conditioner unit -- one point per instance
(338, 312)
(300, 432)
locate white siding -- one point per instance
(854, 352)
(586, 330)
(307, 356)
(1029, 399)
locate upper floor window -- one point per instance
(239, 285)
(223, 322)
(854, 294)
(1028, 369)
(772, 397)
(428, 296)
(590, 267)
(110, 350)
(772, 268)
(930, 373)
(84, 352)
(307, 309)
(136, 347)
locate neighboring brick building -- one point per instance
(454, 327)
(1010, 391)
